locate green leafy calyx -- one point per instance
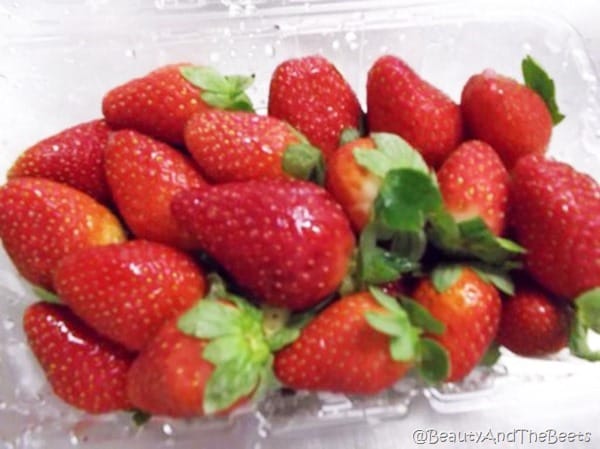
(538, 80)
(405, 322)
(303, 161)
(394, 321)
(434, 361)
(240, 345)
(586, 319)
(390, 152)
(470, 239)
(349, 135)
(394, 241)
(220, 91)
(491, 356)
(45, 295)
(377, 264)
(445, 275)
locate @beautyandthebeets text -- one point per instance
(522, 437)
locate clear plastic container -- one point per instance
(59, 58)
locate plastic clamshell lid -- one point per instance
(58, 60)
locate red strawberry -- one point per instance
(84, 369)
(356, 171)
(555, 212)
(313, 96)
(339, 351)
(401, 102)
(474, 182)
(352, 185)
(287, 242)
(208, 361)
(144, 175)
(470, 309)
(74, 156)
(160, 103)
(127, 291)
(238, 146)
(508, 115)
(532, 323)
(169, 377)
(41, 221)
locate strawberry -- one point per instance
(513, 118)
(360, 344)
(555, 212)
(286, 242)
(339, 351)
(469, 307)
(352, 185)
(139, 168)
(474, 182)
(127, 291)
(160, 103)
(237, 146)
(208, 361)
(355, 172)
(41, 221)
(74, 156)
(169, 377)
(401, 102)
(84, 369)
(532, 323)
(313, 96)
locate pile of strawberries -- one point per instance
(192, 255)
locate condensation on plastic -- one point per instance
(59, 59)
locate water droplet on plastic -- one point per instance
(384, 49)
(130, 53)
(232, 53)
(527, 47)
(167, 429)
(352, 40)
(214, 56)
(73, 439)
(335, 44)
(269, 50)
(350, 36)
(3, 405)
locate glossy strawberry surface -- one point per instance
(287, 242)
(399, 101)
(41, 221)
(85, 369)
(127, 291)
(74, 156)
